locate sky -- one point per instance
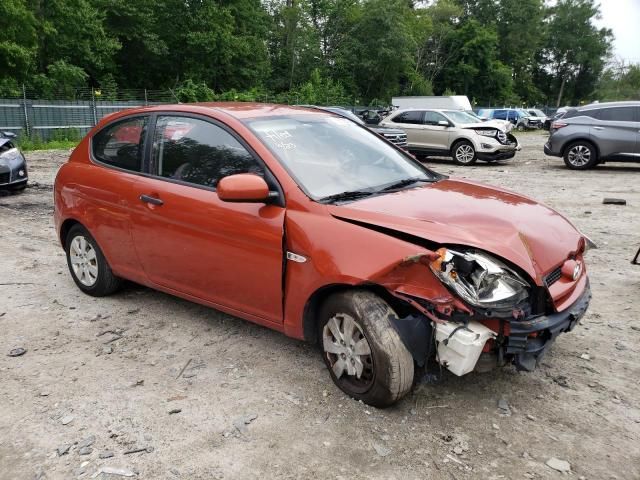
(623, 17)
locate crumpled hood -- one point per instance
(454, 211)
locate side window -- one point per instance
(413, 117)
(432, 118)
(121, 144)
(500, 114)
(198, 152)
(617, 114)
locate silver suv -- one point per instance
(453, 133)
(596, 133)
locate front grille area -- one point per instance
(553, 277)
(399, 139)
(5, 178)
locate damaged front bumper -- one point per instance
(529, 339)
(521, 342)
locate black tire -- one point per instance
(105, 282)
(580, 155)
(460, 153)
(387, 375)
(520, 127)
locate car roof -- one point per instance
(239, 110)
(593, 106)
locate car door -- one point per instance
(615, 131)
(436, 136)
(106, 194)
(411, 121)
(193, 243)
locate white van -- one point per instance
(452, 102)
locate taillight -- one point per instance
(558, 125)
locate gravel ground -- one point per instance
(205, 395)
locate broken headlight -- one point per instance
(480, 279)
(487, 133)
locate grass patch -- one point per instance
(30, 144)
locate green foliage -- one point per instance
(63, 138)
(620, 82)
(190, 91)
(308, 51)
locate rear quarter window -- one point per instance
(121, 144)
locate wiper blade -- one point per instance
(351, 195)
(404, 183)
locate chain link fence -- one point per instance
(69, 116)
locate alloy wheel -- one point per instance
(348, 350)
(579, 155)
(84, 261)
(465, 153)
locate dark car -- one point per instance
(596, 133)
(394, 135)
(556, 116)
(13, 166)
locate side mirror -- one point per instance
(243, 187)
(444, 123)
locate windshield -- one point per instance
(537, 113)
(460, 117)
(523, 113)
(329, 156)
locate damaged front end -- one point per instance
(493, 315)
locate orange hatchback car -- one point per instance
(308, 223)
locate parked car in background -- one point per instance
(596, 133)
(537, 115)
(395, 135)
(556, 116)
(518, 117)
(453, 133)
(13, 166)
(306, 223)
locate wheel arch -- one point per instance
(455, 142)
(580, 139)
(66, 226)
(312, 306)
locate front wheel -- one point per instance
(89, 269)
(580, 156)
(363, 352)
(464, 153)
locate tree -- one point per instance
(376, 57)
(475, 70)
(520, 36)
(72, 31)
(18, 45)
(620, 81)
(575, 50)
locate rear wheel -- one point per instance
(580, 156)
(89, 269)
(463, 153)
(363, 352)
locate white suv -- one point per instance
(453, 133)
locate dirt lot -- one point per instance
(254, 404)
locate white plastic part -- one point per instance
(463, 349)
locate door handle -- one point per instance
(151, 200)
(598, 128)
